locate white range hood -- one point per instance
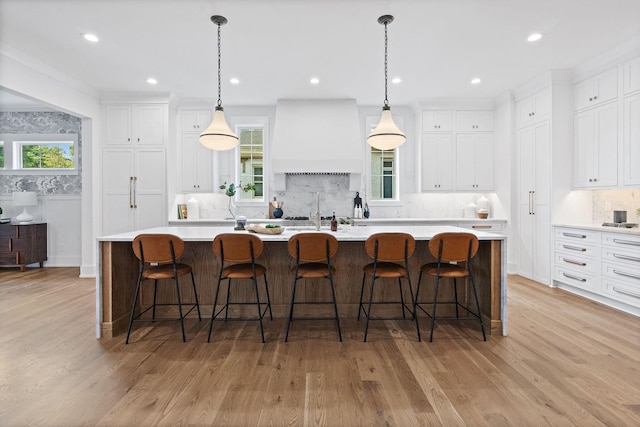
(317, 137)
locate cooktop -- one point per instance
(619, 224)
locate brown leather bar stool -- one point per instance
(390, 252)
(238, 253)
(313, 253)
(453, 252)
(158, 255)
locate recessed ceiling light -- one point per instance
(152, 81)
(475, 81)
(90, 37)
(396, 80)
(534, 37)
(234, 81)
(314, 80)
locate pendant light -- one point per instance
(218, 136)
(386, 136)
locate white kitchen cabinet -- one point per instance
(134, 166)
(534, 108)
(631, 141)
(621, 267)
(437, 121)
(135, 124)
(596, 147)
(577, 258)
(197, 164)
(133, 189)
(474, 121)
(437, 162)
(631, 77)
(534, 229)
(596, 90)
(474, 161)
(195, 120)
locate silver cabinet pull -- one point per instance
(570, 261)
(626, 257)
(626, 292)
(574, 248)
(624, 273)
(135, 201)
(481, 226)
(570, 276)
(579, 236)
(131, 192)
(626, 242)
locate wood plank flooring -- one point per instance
(566, 362)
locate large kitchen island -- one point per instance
(118, 269)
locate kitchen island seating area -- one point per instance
(237, 254)
(313, 252)
(118, 269)
(158, 256)
(454, 252)
(390, 252)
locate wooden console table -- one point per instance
(23, 244)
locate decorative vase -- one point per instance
(277, 212)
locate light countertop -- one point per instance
(599, 227)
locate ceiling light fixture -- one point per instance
(218, 136)
(90, 37)
(152, 81)
(386, 136)
(314, 80)
(534, 37)
(476, 81)
(234, 81)
(396, 80)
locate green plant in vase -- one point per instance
(231, 189)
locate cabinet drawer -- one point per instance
(481, 226)
(576, 234)
(621, 291)
(577, 279)
(622, 272)
(576, 263)
(575, 248)
(9, 258)
(620, 240)
(624, 256)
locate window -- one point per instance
(383, 169)
(37, 154)
(251, 160)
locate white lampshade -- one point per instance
(218, 136)
(24, 199)
(386, 136)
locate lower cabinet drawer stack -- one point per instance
(621, 267)
(576, 262)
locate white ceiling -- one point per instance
(275, 46)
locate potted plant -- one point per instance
(231, 189)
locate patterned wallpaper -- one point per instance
(42, 123)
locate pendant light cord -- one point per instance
(386, 41)
(219, 74)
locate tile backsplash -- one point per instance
(606, 201)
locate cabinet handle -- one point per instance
(574, 248)
(626, 257)
(623, 273)
(570, 261)
(481, 226)
(590, 99)
(595, 97)
(135, 201)
(131, 192)
(626, 242)
(626, 292)
(579, 236)
(128, 139)
(570, 276)
(10, 245)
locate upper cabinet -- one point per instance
(631, 141)
(135, 124)
(474, 161)
(197, 160)
(474, 121)
(437, 121)
(195, 121)
(437, 162)
(534, 108)
(593, 91)
(631, 76)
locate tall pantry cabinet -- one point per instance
(543, 170)
(134, 142)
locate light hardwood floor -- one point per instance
(566, 362)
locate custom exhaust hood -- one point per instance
(317, 137)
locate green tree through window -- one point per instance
(48, 156)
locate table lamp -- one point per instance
(24, 199)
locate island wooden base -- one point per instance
(119, 269)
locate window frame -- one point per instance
(370, 123)
(261, 122)
(12, 144)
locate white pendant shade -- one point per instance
(218, 136)
(386, 136)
